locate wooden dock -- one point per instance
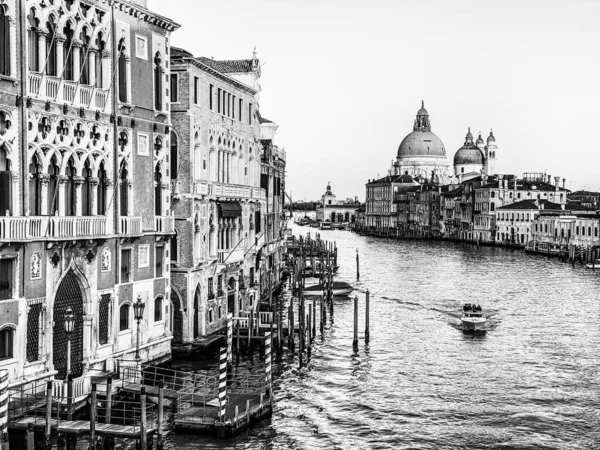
(80, 427)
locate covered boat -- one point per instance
(473, 318)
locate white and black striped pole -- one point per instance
(268, 374)
(222, 383)
(3, 407)
(229, 338)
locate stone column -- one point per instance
(41, 35)
(76, 50)
(78, 200)
(16, 204)
(236, 296)
(165, 194)
(59, 40)
(211, 240)
(110, 204)
(92, 54)
(44, 179)
(62, 181)
(94, 183)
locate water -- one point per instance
(529, 382)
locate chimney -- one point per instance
(564, 181)
(556, 181)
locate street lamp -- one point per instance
(138, 314)
(69, 327)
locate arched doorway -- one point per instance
(68, 295)
(176, 317)
(333, 217)
(197, 313)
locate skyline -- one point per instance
(345, 100)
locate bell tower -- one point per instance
(490, 155)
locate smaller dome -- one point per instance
(491, 137)
(422, 111)
(468, 155)
(479, 140)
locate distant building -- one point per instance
(332, 210)
(380, 206)
(514, 221)
(475, 158)
(586, 199)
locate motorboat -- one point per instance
(594, 265)
(473, 318)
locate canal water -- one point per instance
(530, 382)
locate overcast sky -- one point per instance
(345, 78)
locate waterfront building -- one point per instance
(333, 210)
(449, 205)
(421, 153)
(514, 221)
(380, 207)
(569, 225)
(475, 158)
(84, 133)
(227, 192)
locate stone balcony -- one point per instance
(17, 229)
(130, 226)
(231, 256)
(62, 91)
(228, 190)
(164, 224)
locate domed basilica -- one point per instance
(422, 155)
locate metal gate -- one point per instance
(68, 295)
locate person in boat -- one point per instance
(467, 307)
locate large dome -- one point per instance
(468, 155)
(421, 143)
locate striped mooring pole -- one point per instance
(3, 407)
(222, 383)
(268, 375)
(229, 337)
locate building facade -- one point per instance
(228, 185)
(333, 210)
(85, 183)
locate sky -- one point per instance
(344, 79)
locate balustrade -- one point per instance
(59, 227)
(130, 225)
(44, 86)
(35, 82)
(164, 224)
(228, 190)
(229, 256)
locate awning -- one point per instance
(229, 209)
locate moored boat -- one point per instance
(472, 317)
(340, 289)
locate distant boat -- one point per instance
(594, 265)
(340, 288)
(473, 319)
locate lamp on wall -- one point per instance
(138, 315)
(69, 327)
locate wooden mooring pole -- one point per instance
(143, 424)
(48, 430)
(161, 399)
(355, 340)
(93, 417)
(109, 441)
(30, 437)
(367, 331)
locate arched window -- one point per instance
(595, 231)
(4, 42)
(492, 207)
(158, 309)
(86, 209)
(122, 72)
(174, 248)
(493, 194)
(50, 62)
(158, 91)
(589, 231)
(174, 160)
(53, 171)
(32, 42)
(583, 231)
(157, 191)
(577, 230)
(5, 180)
(35, 187)
(6, 341)
(546, 228)
(101, 47)
(69, 70)
(84, 77)
(124, 190)
(220, 312)
(102, 182)
(124, 317)
(210, 316)
(70, 197)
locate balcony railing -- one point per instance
(231, 256)
(54, 227)
(64, 91)
(131, 226)
(81, 388)
(164, 224)
(228, 190)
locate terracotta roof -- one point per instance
(262, 119)
(533, 204)
(228, 66)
